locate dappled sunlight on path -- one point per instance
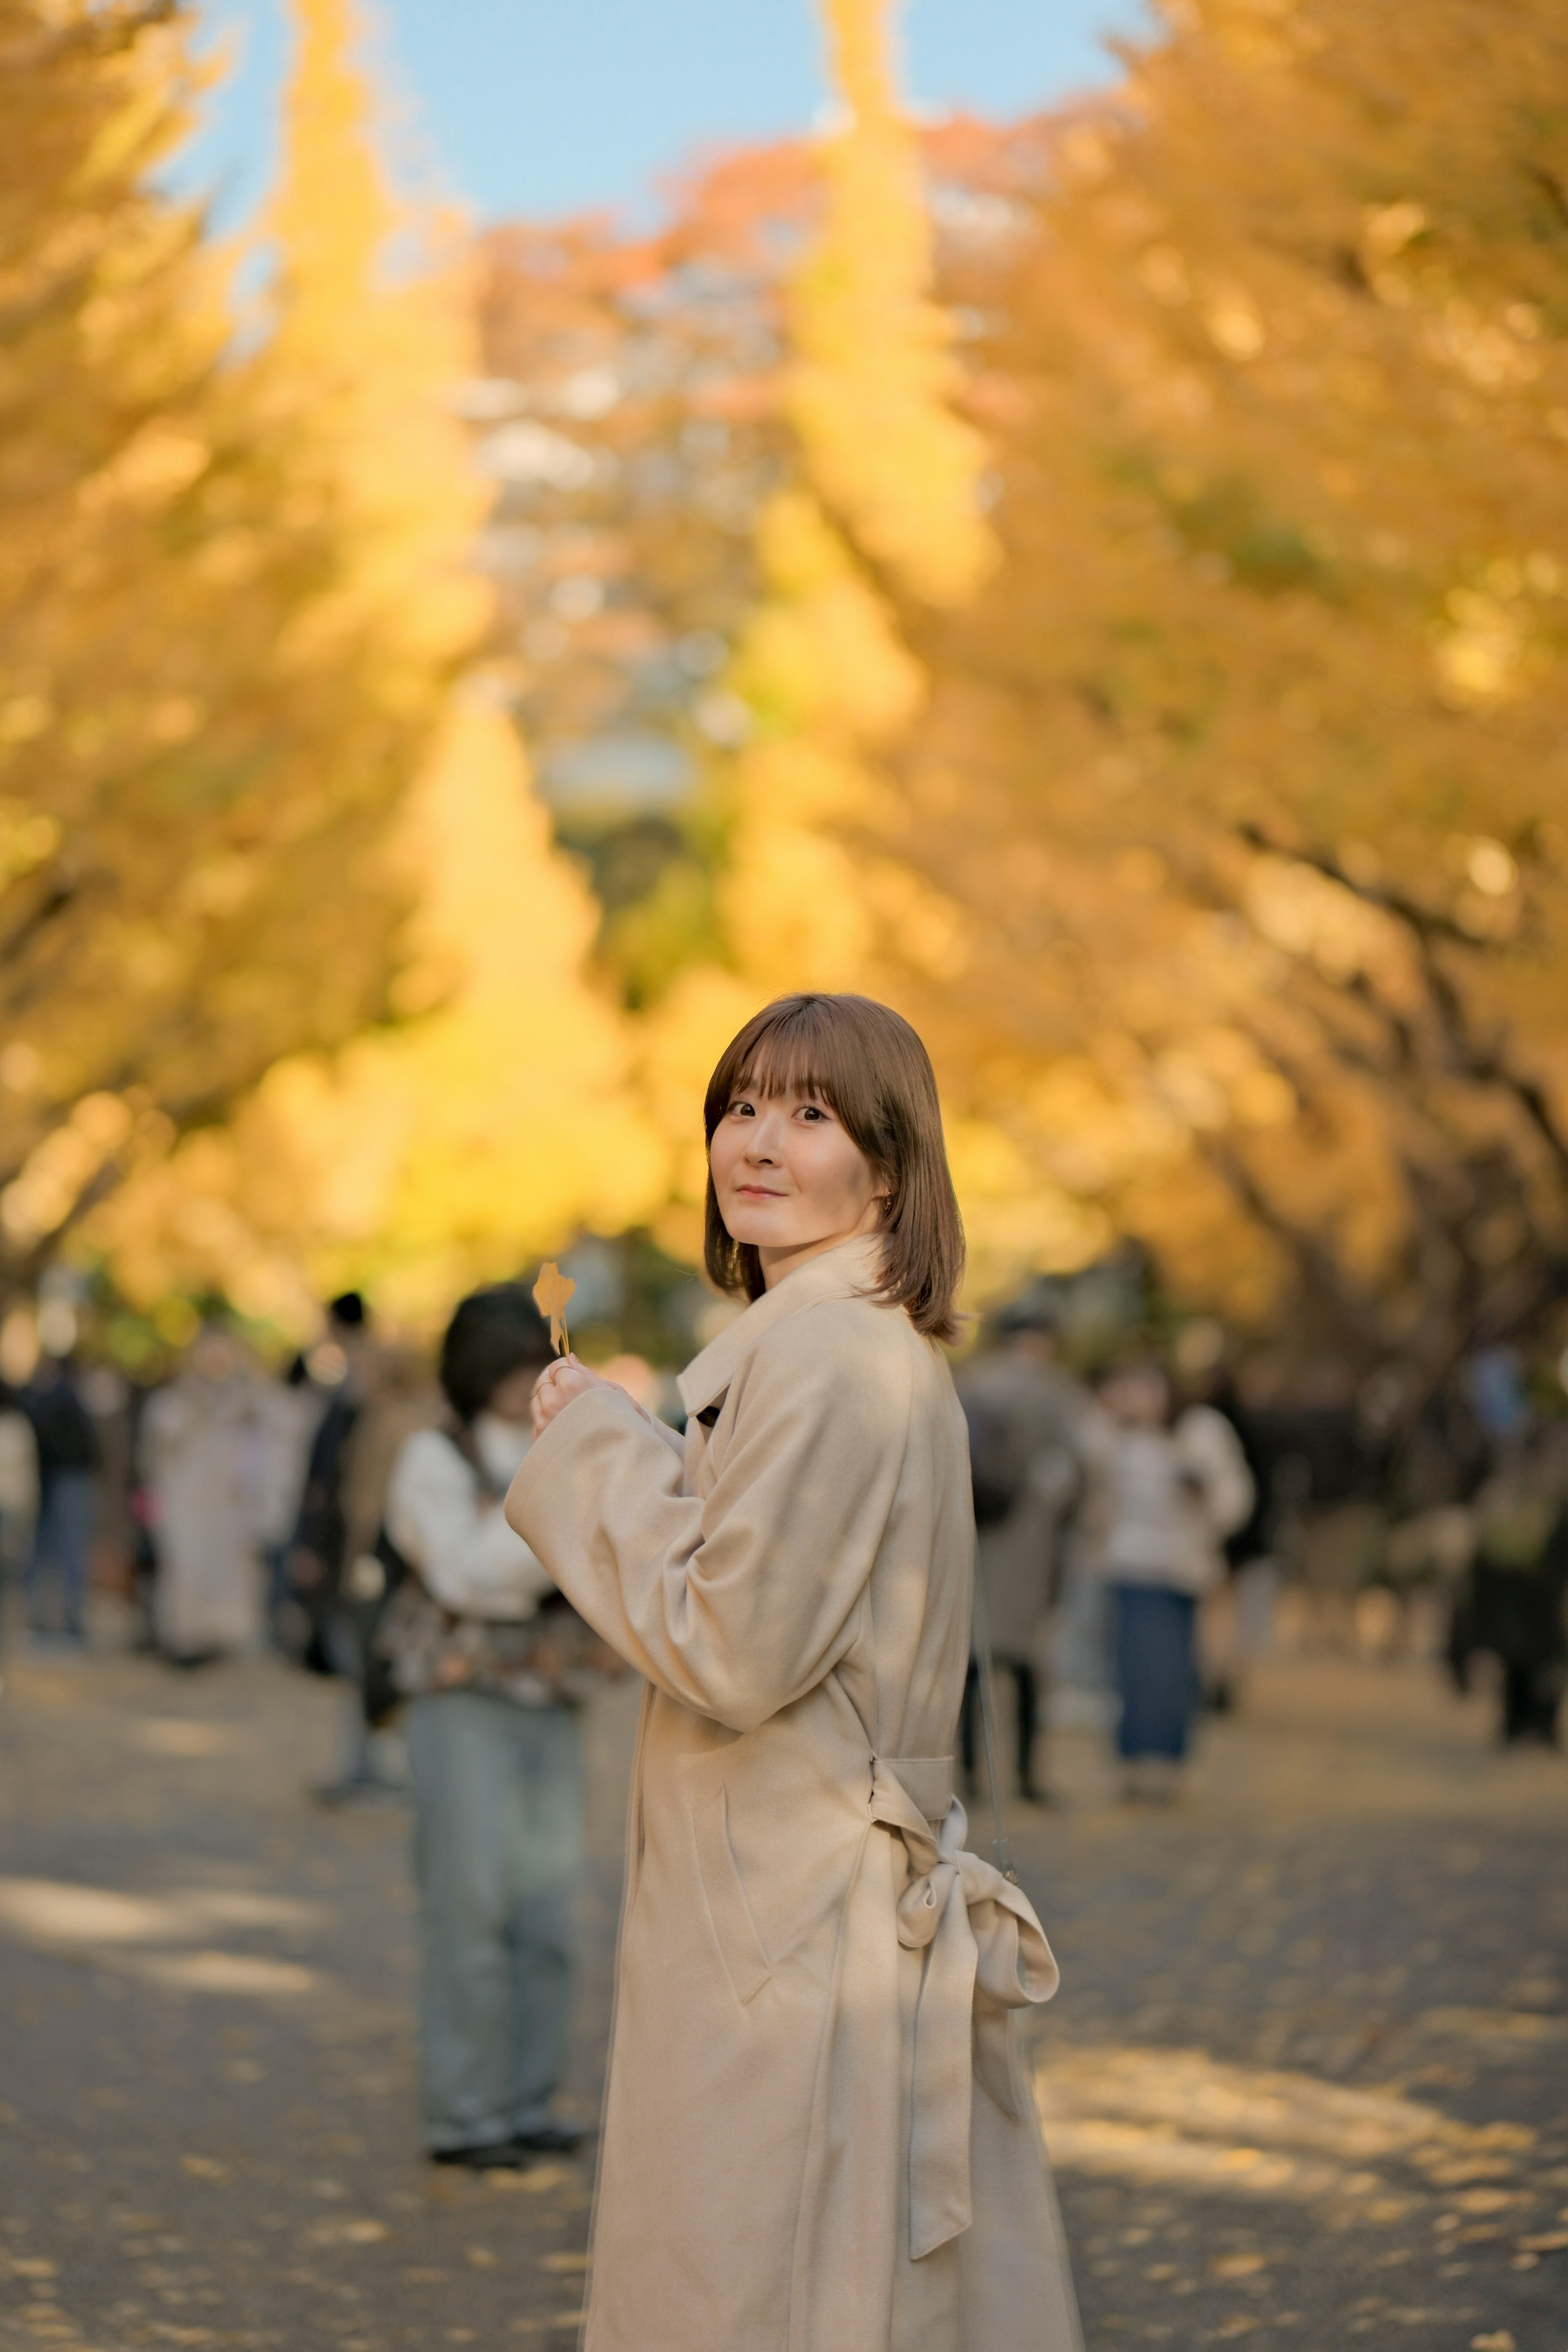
(1304, 2080)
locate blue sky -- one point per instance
(540, 106)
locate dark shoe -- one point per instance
(553, 2138)
(493, 2155)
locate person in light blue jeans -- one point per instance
(497, 1855)
(496, 1758)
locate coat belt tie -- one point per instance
(985, 1956)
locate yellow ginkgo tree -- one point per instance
(488, 1115)
(881, 517)
(1247, 768)
(446, 1149)
(232, 597)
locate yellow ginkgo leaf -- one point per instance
(553, 1296)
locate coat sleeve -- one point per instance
(739, 1602)
(671, 1437)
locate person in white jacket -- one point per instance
(1170, 1492)
(495, 1757)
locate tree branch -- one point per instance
(1482, 1063)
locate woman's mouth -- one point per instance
(758, 1192)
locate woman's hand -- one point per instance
(556, 1386)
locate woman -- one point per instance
(206, 1439)
(1170, 1496)
(495, 1757)
(817, 2136)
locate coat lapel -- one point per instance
(841, 1273)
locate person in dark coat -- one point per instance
(1514, 1604)
(315, 1562)
(68, 1464)
(1024, 1414)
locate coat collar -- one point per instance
(847, 1272)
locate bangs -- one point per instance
(786, 1070)
(795, 1055)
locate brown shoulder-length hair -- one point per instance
(867, 1064)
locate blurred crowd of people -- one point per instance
(1139, 1527)
(1143, 1529)
(1102, 1514)
(1138, 1522)
(348, 1515)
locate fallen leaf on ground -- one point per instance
(541, 2177)
(353, 2231)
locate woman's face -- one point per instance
(789, 1178)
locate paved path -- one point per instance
(1305, 2082)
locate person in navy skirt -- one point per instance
(1172, 1488)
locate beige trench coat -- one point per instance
(817, 2135)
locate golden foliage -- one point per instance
(372, 331)
(1204, 797)
(819, 666)
(224, 651)
(883, 514)
(873, 376)
(1248, 771)
(448, 1150)
(384, 828)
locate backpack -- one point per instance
(998, 1462)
